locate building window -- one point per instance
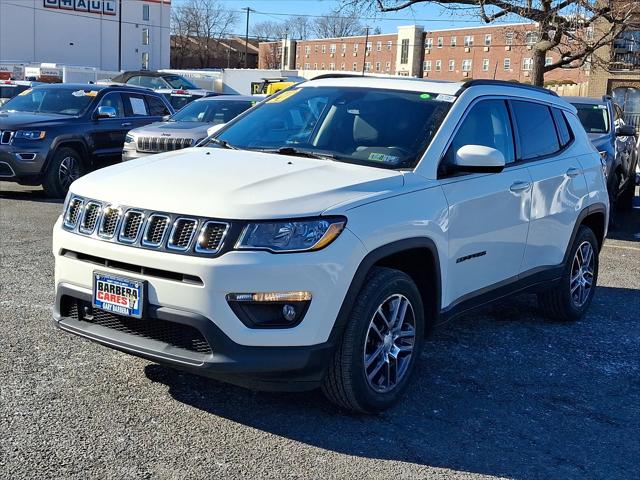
(307, 66)
(507, 64)
(487, 40)
(466, 65)
(548, 61)
(452, 65)
(332, 66)
(145, 36)
(387, 66)
(527, 64)
(589, 33)
(315, 49)
(454, 41)
(322, 67)
(438, 65)
(307, 49)
(355, 47)
(508, 38)
(145, 13)
(367, 66)
(368, 46)
(342, 66)
(485, 65)
(440, 42)
(468, 41)
(377, 66)
(531, 38)
(427, 66)
(344, 47)
(379, 46)
(389, 45)
(428, 43)
(355, 66)
(332, 48)
(315, 66)
(145, 60)
(404, 51)
(324, 48)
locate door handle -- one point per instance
(573, 172)
(126, 124)
(520, 187)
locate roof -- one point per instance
(392, 83)
(237, 98)
(587, 100)
(76, 86)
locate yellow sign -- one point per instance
(283, 96)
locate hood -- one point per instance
(17, 120)
(173, 129)
(235, 184)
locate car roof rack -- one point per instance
(505, 83)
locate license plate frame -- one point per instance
(115, 291)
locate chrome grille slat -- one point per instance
(147, 229)
(90, 217)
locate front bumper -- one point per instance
(18, 162)
(132, 154)
(237, 349)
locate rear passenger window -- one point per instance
(135, 105)
(157, 107)
(564, 131)
(486, 124)
(536, 130)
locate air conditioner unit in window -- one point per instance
(486, 49)
(507, 48)
(467, 49)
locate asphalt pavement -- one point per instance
(500, 393)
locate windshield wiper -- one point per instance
(223, 143)
(296, 152)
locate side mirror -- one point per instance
(215, 129)
(478, 158)
(105, 111)
(626, 131)
(166, 118)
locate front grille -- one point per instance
(90, 217)
(177, 335)
(182, 233)
(166, 232)
(73, 212)
(162, 144)
(131, 226)
(110, 220)
(5, 137)
(156, 229)
(211, 237)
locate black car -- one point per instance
(617, 143)
(50, 135)
(154, 80)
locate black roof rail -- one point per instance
(336, 75)
(504, 83)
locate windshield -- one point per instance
(63, 101)
(176, 81)
(594, 117)
(377, 127)
(7, 92)
(212, 111)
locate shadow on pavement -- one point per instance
(502, 393)
(33, 194)
(627, 224)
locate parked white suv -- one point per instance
(323, 233)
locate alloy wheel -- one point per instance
(582, 273)
(68, 172)
(389, 344)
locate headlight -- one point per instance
(292, 235)
(30, 134)
(129, 138)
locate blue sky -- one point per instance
(429, 15)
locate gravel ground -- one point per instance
(500, 393)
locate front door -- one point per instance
(489, 212)
(109, 133)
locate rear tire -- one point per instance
(376, 356)
(65, 167)
(570, 300)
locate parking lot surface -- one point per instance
(500, 393)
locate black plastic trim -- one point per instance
(503, 83)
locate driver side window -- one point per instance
(486, 124)
(113, 100)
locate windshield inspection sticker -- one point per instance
(384, 158)
(283, 96)
(446, 98)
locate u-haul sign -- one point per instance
(106, 7)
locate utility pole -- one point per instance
(366, 41)
(284, 61)
(246, 37)
(120, 35)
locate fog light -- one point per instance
(270, 309)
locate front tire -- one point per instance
(570, 300)
(382, 341)
(65, 167)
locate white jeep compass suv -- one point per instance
(319, 237)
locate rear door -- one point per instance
(544, 140)
(488, 212)
(140, 111)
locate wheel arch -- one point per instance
(417, 257)
(595, 217)
(76, 144)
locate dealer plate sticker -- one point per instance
(118, 295)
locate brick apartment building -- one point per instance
(501, 51)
